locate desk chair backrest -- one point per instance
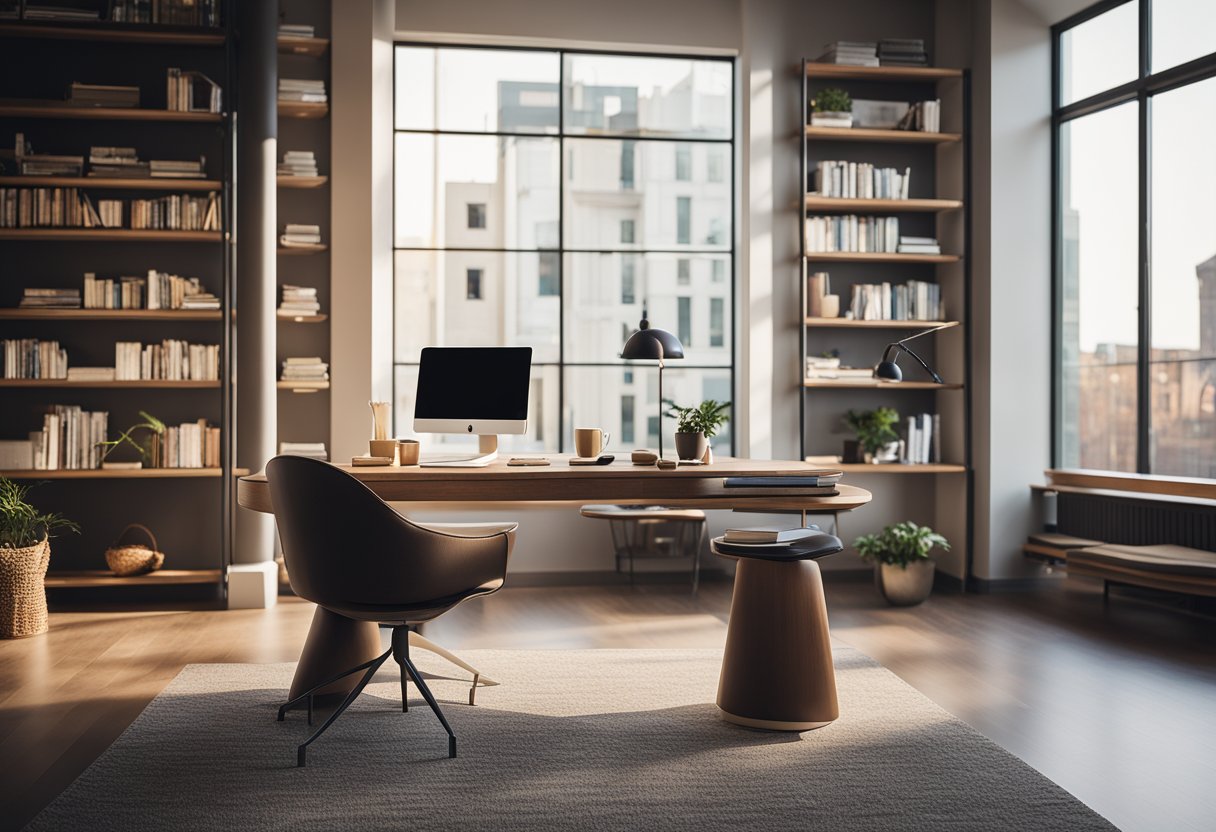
(344, 546)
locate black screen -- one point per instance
(474, 383)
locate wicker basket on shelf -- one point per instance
(22, 594)
(127, 559)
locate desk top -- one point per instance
(691, 486)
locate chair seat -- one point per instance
(815, 546)
(396, 614)
(652, 513)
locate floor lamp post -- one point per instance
(649, 345)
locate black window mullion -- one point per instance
(1144, 381)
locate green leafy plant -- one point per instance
(150, 424)
(874, 428)
(705, 418)
(900, 544)
(21, 524)
(832, 100)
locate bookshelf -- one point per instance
(191, 510)
(938, 492)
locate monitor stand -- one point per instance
(487, 448)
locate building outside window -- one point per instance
(1135, 364)
(627, 419)
(576, 156)
(718, 271)
(717, 322)
(715, 165)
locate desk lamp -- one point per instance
(648, 345)
(888, 370)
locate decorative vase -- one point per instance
(905, 586)
(22, 593)
(830, 119)
(889, 453)
(708, 459)
(691, 445)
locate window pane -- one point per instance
(1099, 284)
(436, 305)
(594, 398)
(1183, 435)
(542, 416)
(1100, 53)
(483, 90)
(475, 192)
(603, 309)
(665, 211)
(627, 95)
(1182, 31)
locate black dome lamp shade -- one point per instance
(649, 344)
(888, 370)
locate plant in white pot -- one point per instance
(695, 426)
(903, 569)
(876, 437)
(25, 553)
(832, 107)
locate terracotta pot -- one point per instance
(691, 445)
(905, 586)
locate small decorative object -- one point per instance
(695, 426)
(128, 559)
(876, 436)
(830, 306)
(904, 573)
(381, 445)
(408, 451)
(832, 108)
(148, 450)
(25, 553)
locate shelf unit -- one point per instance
(303, 109)
(302, 181)
(302, 250)
(938, 207)
(192, 510)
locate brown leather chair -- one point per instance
(349, 552)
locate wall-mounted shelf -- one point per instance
(879, 257)
(841, 205)
(847, 323)
(303, 109)
(55, 109)
(819, 384)
(108, 315)
(872, 134)
(303, 319)
(302, 181)
(303, 387)
(115, 33)
(114, 235)
(315, 248)
(881, 73)
(147, 384)
(123, 474)
(898, 468)
(146, 183)
(161, 577)
(312, 47)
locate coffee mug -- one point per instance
(590, 442)
(408, 451)
(384, 448)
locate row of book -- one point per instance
(159, 290)
(170, 360)
(306, 372)
(302, 90)
(922, 443)
(102, 95)
(189, 91)
(852, 233)
(31, 358)
(861, 180)
(72, 208)
(71, 439)
(296, 235)
(916, 300)
(299, 302)
(166, 12)
(188, 445)
(885, 52)
(298, 163)
(923, 116)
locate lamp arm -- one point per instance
(899, 345)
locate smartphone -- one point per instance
(528, 460)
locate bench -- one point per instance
(1053, 547)
(1167, 567)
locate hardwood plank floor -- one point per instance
(1114, 703)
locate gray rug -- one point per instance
(588, 739)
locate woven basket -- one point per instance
(22, 594)
(126, 559)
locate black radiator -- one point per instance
(1136, 520)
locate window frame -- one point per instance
(565, 167)
(1141, 90)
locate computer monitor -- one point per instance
(473, 390)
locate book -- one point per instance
(860, 180)
(916, 300)
(102, 95)
(813, 479)
(767, 535)
(193, 92)
(852, 233)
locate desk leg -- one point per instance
(335, 643)
(777, 669)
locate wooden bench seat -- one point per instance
(1166, 567)
(1053, 546)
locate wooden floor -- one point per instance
(1116, 704)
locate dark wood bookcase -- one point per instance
(191, 511)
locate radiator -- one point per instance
(1136, 521)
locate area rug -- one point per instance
(587, 739)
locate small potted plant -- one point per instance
(903, 569)
(832, 107)
(25, 553)
(877, 440)
(695, 426)
(149, 453)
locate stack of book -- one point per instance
(923, 116)
(16, 454)
(852, 233)
(902, 52)
(916, 300)
(192, 92)
(50, 299)
(70, 439)
(102, 95)
(922, 443)
(850, 52)
(312, 450)
(306, 372)
(302, 90)
(188, 445)
(298, 163)
(919, 245)
(116, 163)
(297, 30)
(766, 537)
(31, 358)
(300, 236)
(177, 169)
(201, 302)
(299, 302)
(90, 373)
(861, 180)
(829, 369)
(170, 360)
(46, 11)
(44, 164)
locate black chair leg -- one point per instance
(401, 652)
(308, 694)
(350, 697)
(401, 649)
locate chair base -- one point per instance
(772, 724)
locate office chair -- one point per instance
(349, 552)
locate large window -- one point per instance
(544, 198)
(1135, 226)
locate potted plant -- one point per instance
(904, 571)
(695, 426)
(25, 552)
(149, 454)
(832, 107)
(877, 439)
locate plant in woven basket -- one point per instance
(150, 426)
(21, 524)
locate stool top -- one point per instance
(815, 546)
(626, 512)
